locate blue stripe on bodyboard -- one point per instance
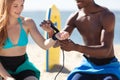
(47, 52)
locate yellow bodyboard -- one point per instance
(53, 54)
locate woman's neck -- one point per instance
(12, 21)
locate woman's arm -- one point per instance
(39, 39)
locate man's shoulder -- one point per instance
(74, 13)
(106, 11)
(107, 19)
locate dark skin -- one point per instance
(96, 26)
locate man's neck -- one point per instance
(92, 8)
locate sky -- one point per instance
(66, 4)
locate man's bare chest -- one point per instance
(90, 22)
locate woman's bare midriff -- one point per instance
(15, 51)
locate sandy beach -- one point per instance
(72, 59)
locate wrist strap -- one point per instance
(54, 37)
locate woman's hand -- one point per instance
(46, 25)
(62, 35)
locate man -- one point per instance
(96, 25)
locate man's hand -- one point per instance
(67, 45)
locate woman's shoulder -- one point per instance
(27, 21)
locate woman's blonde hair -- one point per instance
(4, 13)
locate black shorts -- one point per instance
(22, 75)
(12, 63)
(99, 62)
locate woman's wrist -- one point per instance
(54, 37)
(50, 33)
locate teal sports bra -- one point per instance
(22, 41)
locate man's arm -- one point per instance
(100, 51)
(103, 50)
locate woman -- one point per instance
(14, 30)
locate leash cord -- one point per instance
(54, 28)
(62, 65)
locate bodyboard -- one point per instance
(53, 54)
